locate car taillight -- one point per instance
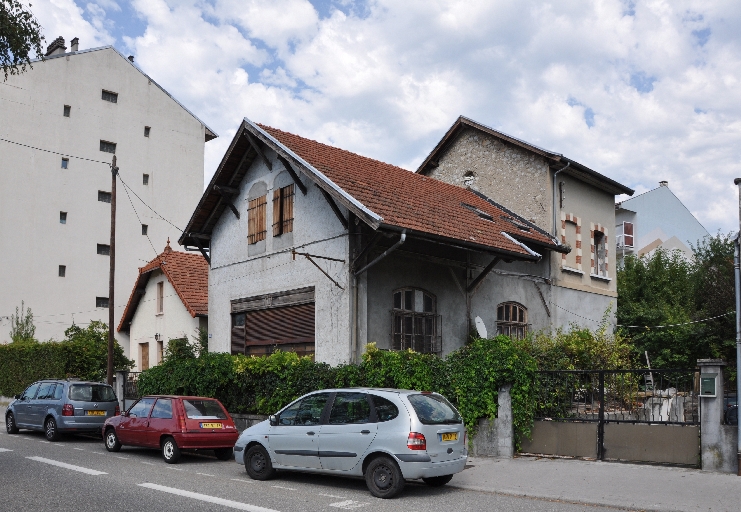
(181, 423)
(416, 441)
(68, 410)
(117, 412)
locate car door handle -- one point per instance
(365, 431)
(310, 433)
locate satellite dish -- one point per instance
(480, 327)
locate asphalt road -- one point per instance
(78, 474)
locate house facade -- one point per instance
(320, 251)
(559, 195)
(62, 122)
(169, 301)
(656, 219)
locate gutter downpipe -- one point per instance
(555, 230)
(737, 273)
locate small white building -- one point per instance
(61, 123)
(169, 301)
(654, 219)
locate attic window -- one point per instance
(520, 226)
(478, 212)
(110, 96)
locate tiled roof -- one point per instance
(415, 202)
(188, 275)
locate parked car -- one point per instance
(62, 406)
(386, 436)
(172, 424)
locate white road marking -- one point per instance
(208, 499)
(42, 441)
(119, 457)
(332, 496)
(58, 444)
(5, 450)
(204, 474)
(348, 505)
(78, 449)
(148, 463)
(174, 469)
(243, 480)
(281, 487)
(67, 466)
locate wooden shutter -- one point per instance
(256, 219)
(277, 217)
(287, 208)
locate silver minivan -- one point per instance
(386, 436)
(62, 406)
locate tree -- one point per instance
(20, 34)
(21, 325)
(87, 352)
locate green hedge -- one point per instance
(469, 377)
(83, 354)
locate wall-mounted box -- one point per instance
(709, 385)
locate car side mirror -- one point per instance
(273, 419)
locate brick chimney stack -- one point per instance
(74, 44)
(663, 183)
(56, 47)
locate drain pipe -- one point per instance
(555, 197)
(737, 272)
(388, 251)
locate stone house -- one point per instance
(169, 301)
(562, 197)
(320, 251)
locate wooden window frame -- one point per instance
(505, 323)
(160, 297)
(413, 329)
(257, 229)
(283, 210)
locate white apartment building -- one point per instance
(58, 121)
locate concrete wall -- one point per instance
(34, 188)
(174, 322)
(240, 270)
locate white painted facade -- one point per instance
(149, 327)
(34, 188)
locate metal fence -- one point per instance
(730, 402)
(131, 388)
(619, 396)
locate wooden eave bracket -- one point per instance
(256, 147)
(335, 208)
(227, 193)
(293, 174)
(370, 245)
(204, 253)
(479, 278)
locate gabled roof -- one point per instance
(188, 275)
(382, 195)
(576, 169)
(210, 134)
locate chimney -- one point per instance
(56, 47)
(131, 58)
(663, 183)
(74, 44)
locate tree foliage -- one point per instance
(666, 289)
(20, 36)
(21, 325)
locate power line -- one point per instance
(137, 217)
(648, 327)
(55, 152)
(145, 204)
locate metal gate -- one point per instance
(131, 389)
(629, 415)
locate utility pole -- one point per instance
(112, 272)
(737, 271)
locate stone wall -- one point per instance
(510, 175)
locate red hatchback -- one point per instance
(173, 423)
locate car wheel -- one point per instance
(437, 481)
(257, 463)
(10, 424)
(112, 444)
(223, 453)
(50, 430)
(383, 478)
(170, 451)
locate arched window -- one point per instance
(415, 322)
(512, 319)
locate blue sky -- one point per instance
(639, 90)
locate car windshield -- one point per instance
(91, 393)
(203, 410)
(433, 409)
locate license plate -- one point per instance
(211, 425)
(95, 413)
(449, 436)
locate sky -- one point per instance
(640, 91)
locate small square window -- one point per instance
(62, 270)
(104, 249)
(110, 96)
(67, 110)
(108, 147)
(101, 302)
(146, 131)
(104, 197)
(145, 228)
(65, 163)
(145, 179)
(63, 217)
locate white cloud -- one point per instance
(64, 18)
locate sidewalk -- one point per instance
(629, 486)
